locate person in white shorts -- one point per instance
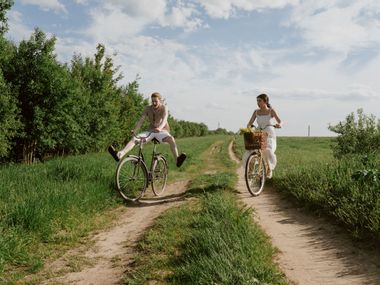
(157, 113)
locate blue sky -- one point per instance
(317, 60)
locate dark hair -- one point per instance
(265, 98)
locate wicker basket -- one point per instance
(255, 140)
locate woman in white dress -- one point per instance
(264, 116)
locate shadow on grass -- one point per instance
(192, 192)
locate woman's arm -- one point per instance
(253, 118)
(277, 118)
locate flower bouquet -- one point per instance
(254, 138)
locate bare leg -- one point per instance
(179, 159)
(127, 148)
(173, 146)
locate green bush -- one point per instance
(357, 136)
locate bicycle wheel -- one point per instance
(159, 175)
(255, 174)
(131, 178)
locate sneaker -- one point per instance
(181, 159)
(113, 152)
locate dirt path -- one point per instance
(104, 259)
(111, 251)
(312, 250)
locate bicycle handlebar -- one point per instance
(140, 137)
(274, 126)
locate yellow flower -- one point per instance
(249, 131)
(246, 130)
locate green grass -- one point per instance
(209, 240)
(308, 172)
(194, 149)
(50, 204)
(294, 152)
(47, 207)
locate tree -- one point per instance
(98, 78)
(41, 86)
(131, 104)
(9, 123)
(5, 5)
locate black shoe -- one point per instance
(181, 159)
(113, 152)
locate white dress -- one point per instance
(264, 123)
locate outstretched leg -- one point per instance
(129, 146)
(118, 155)
(173, 147)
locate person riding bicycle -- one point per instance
(157, 113)
(264, 116)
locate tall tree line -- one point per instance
(48, 108)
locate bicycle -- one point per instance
(133, 177)
(256, 167)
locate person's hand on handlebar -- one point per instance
(156, 130)
(277, 126)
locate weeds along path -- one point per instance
(106, 257)
(311, 250)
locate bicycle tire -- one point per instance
(131, 178)
(255, 174)
(159, 175)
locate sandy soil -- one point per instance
(106, 260)
(312, 250)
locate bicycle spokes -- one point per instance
(131, 178)
(159, 175)
(255, 174)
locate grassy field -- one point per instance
(308, 172)
(209, 240)
(47, 208)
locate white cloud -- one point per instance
(227, 8)
(149, 10)
(209, 82)
(46, 5)
(81, 2)
(18, 31)
(112, 25)
(117, 19)
(182, 16)
(338, 27)
(351, 93)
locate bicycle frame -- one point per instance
(141, 158)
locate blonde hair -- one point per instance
(156, 95)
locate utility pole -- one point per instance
(308, 130)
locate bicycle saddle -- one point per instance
(155, 140)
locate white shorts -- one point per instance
(158, 136)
